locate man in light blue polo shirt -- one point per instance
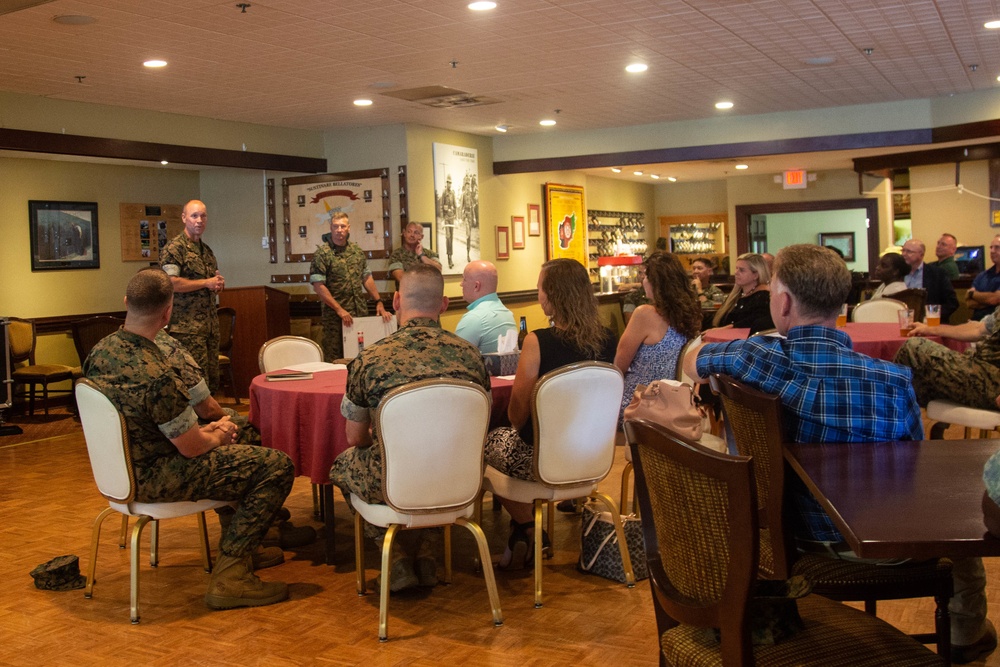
(487, 318)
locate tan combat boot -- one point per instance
(234, 584)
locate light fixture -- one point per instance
(548, 122)
(500, 128)
(635, 68)
(482, 6)
(362, 103)
(672, 179)
(155, 63)
(991, 25)
(741, 167)
(637, 173)
(618, 170)
(164, 162)
(723, 105)
(655, 177)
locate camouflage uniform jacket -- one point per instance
(419, 350)
(194, 312)
(403, 258)
(343, 273)
(138, 378)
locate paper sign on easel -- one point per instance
(365, 331)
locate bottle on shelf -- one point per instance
(522, 333)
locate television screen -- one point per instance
(971, 259)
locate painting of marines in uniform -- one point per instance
(456, 197)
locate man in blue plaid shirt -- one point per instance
(829, 393)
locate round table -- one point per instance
(880, 340)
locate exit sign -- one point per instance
(794, 179)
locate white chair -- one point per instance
(948, 412)
(284, 351)
(432, 473)
(878, 310)
(575, 413)
(111, 462)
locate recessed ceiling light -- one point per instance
(155, 63)
(655, 177)
(362, 103)
(635, 68)
(482, 6)
(723, 105)
(741, 167)
(74, 19)
(991, 25)
(164, 162)
(672, 179)
(500, 128)
(637, 173)
(618, 170)
(548, 122)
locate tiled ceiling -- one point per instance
(301, 63)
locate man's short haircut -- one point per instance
(149, 292)
(339, 215)
(816, 276)
(951, 236)
(413, 224)
(422, 287)
(707, 261)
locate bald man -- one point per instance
(486, 318)
(194, 275)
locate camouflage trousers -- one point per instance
(358, 470)
(942, 373)
(204, 348)
(257, 478)
(248, 434)
(333, 336)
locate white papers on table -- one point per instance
(505, 377)
(316, 367)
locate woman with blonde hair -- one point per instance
(577, 334)
(749, 304)
(657, 331)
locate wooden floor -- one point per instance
(48, 501)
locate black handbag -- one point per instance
(599, 553)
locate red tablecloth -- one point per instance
(880, 340)
(302, 418)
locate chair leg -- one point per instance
(538, 553)
(550, 508)
(45, 397)
(317, 512)
(871, 607)
(206, 551)
(626, 474)
(134, 560)
(383, 602)
(484, 554)
(359, 552)
(447, 554)
(616, 517)
(123, 537)
(154, 544)
(942, 627)
(95, 540)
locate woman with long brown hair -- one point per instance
(577, 334)
(657, 331)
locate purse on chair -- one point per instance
(668, 403)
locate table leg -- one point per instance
(326, 504)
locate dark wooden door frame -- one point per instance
(745, 212)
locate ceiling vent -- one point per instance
(441, 97)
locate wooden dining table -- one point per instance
(905, 499)
(879, 340)
(302, 418)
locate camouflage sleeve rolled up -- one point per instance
(343, 274)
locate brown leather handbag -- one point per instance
(668, 403)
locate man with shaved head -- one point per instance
(486, 318)
(419, 350)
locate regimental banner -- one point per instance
(310, 201)
(565, 223)
(456, 197)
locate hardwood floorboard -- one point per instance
(49, 501)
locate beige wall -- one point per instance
(966, 215)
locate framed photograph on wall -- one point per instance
(517, 232)
(534, 220)
(64, 235)
(841, 242)
(503, 243)
(428, 241)
(565, 222)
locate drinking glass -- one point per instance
(905, 321)
(842, 316)
(933, 318)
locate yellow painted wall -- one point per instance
(966, 215)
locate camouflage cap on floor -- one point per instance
(59, 574)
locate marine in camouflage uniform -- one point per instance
(403, 258)
(971, 378)
(195, 320)
(343, 270)
(418, 350)
(184, 365)
(137, 377)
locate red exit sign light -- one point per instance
(794, 179)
